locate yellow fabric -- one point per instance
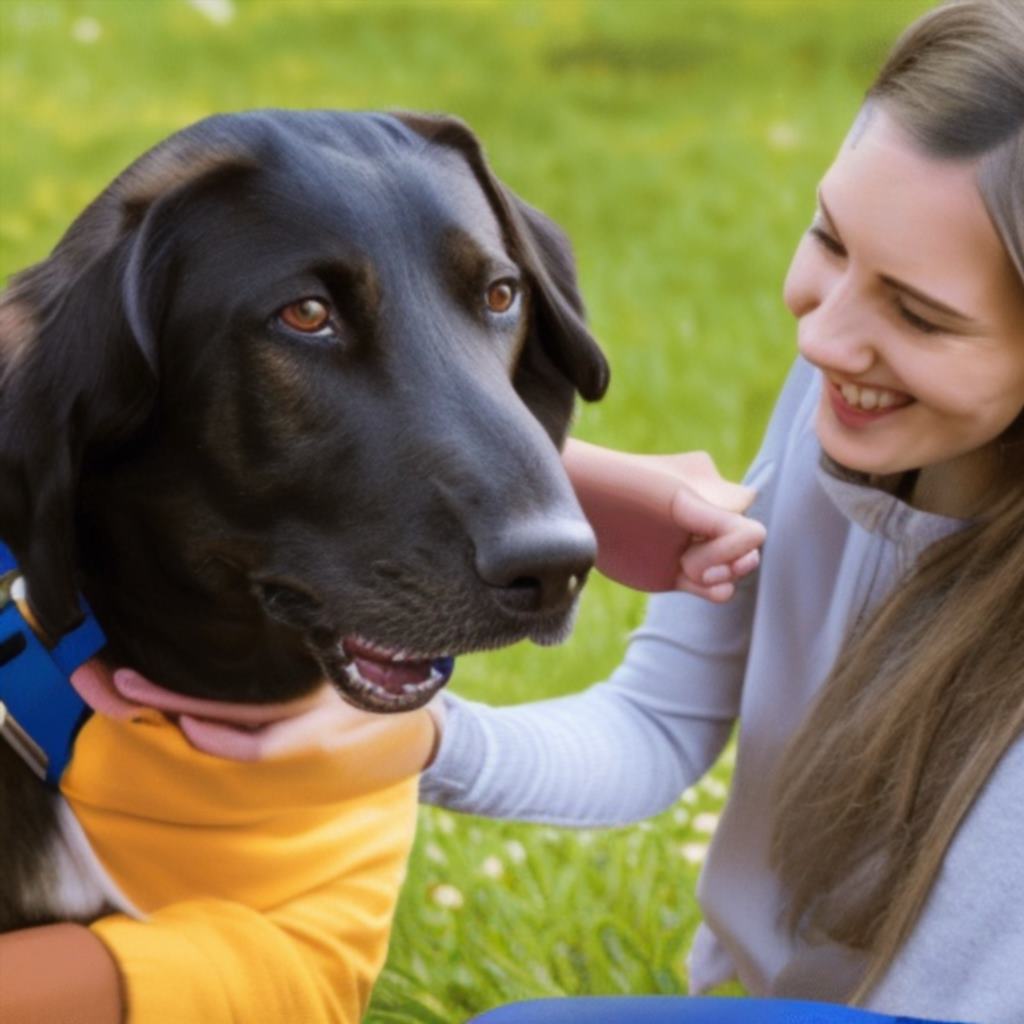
(269, 886)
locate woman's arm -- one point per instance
(618, 752)
(55, 974)
(626, 748)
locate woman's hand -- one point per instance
(320, 723)
(665, 522)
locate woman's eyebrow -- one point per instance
(927, 300)
(894, 282)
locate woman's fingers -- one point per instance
(135, 687)
(332, 717)
(698, 471)
(725, 546)
(746, 564)
(719, 593)
(729, 556)
(726, 495)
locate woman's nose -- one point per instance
(835, 324)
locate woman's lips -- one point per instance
(854, 416)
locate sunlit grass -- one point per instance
(679, 144)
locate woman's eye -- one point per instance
(917, 322)
(307, 316)
(833, 245)
(501, 296)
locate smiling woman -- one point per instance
(913, 318)
(922, 295)
(869, 850)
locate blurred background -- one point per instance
(679, 143)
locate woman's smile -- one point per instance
(858, 405)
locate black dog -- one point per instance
(285, 402)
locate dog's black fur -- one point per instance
(232, 497)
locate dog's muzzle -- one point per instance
(384, 680)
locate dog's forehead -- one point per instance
(460, 195)
(373, 199)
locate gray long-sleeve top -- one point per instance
(626, 748)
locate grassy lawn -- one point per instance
(679, 143)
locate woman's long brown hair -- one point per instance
(927, 696)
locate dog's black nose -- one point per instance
(539, 566)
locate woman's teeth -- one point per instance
(868, 399)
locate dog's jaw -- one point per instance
(386, 681)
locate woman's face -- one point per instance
(909, 305)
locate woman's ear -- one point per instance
(79, 357)
(560, 356)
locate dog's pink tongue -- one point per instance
(391, 675)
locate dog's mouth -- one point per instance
(384, 679)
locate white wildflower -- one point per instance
(86, 31)
(447, 896)
(706, 822)
(714, 787)
(492, 867)
(220, 12)
(693, 853)
(516, 851)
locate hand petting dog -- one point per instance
(662, 522)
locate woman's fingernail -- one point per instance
(716, 574)
(748, 563)
(721, 592)
(125, 679)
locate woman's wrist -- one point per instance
(436, 712)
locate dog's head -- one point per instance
(287, 398)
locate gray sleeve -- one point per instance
(626, 748)
(963, 959)
(622, 750)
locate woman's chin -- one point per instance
(859, 455)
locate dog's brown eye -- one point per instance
(308, 316)
(500, 296)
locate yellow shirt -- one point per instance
(269, 887)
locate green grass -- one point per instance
(679, 144)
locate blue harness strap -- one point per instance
(40, 711)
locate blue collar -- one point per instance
(40, 711)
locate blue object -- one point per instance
(444, 667)
(683, 1010)
(40, 711)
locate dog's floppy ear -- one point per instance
(78, 356)
(560, 344)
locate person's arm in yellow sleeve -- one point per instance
(314, 959)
